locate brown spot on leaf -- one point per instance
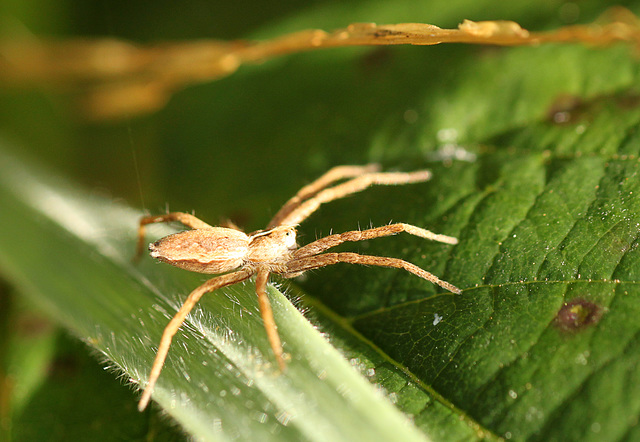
(571, 109)
(576, 315)
(566, 109)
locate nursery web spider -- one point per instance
(228, 250)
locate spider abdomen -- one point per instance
(214, 250)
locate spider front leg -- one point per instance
(335, 174)
(301, 265)
(306, 208)
(175, 323)
(330, 241)
(185, 218)
(267, 317)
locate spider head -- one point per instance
(272, 246)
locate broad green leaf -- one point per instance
(546, 213)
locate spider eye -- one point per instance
(290, 239)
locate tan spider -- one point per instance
(207, 249)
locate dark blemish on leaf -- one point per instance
(566, 109)
(628, 101)
(577, 315)
(570, 109)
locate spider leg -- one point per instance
(335, 174)
(175, 323)
(230, 225)
(185, 218)
(306, 208)
(360, 235)
(267, 317)
(298, 266)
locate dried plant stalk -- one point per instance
(116, 78)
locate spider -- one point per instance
(238, 256)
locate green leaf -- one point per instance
(542, 343)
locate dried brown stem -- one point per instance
(117, 78)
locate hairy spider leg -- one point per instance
(313, 262)
(306, 208)
(185, 218)
(331, 176)
(270, 326)
(330, 241)
(175, 323)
